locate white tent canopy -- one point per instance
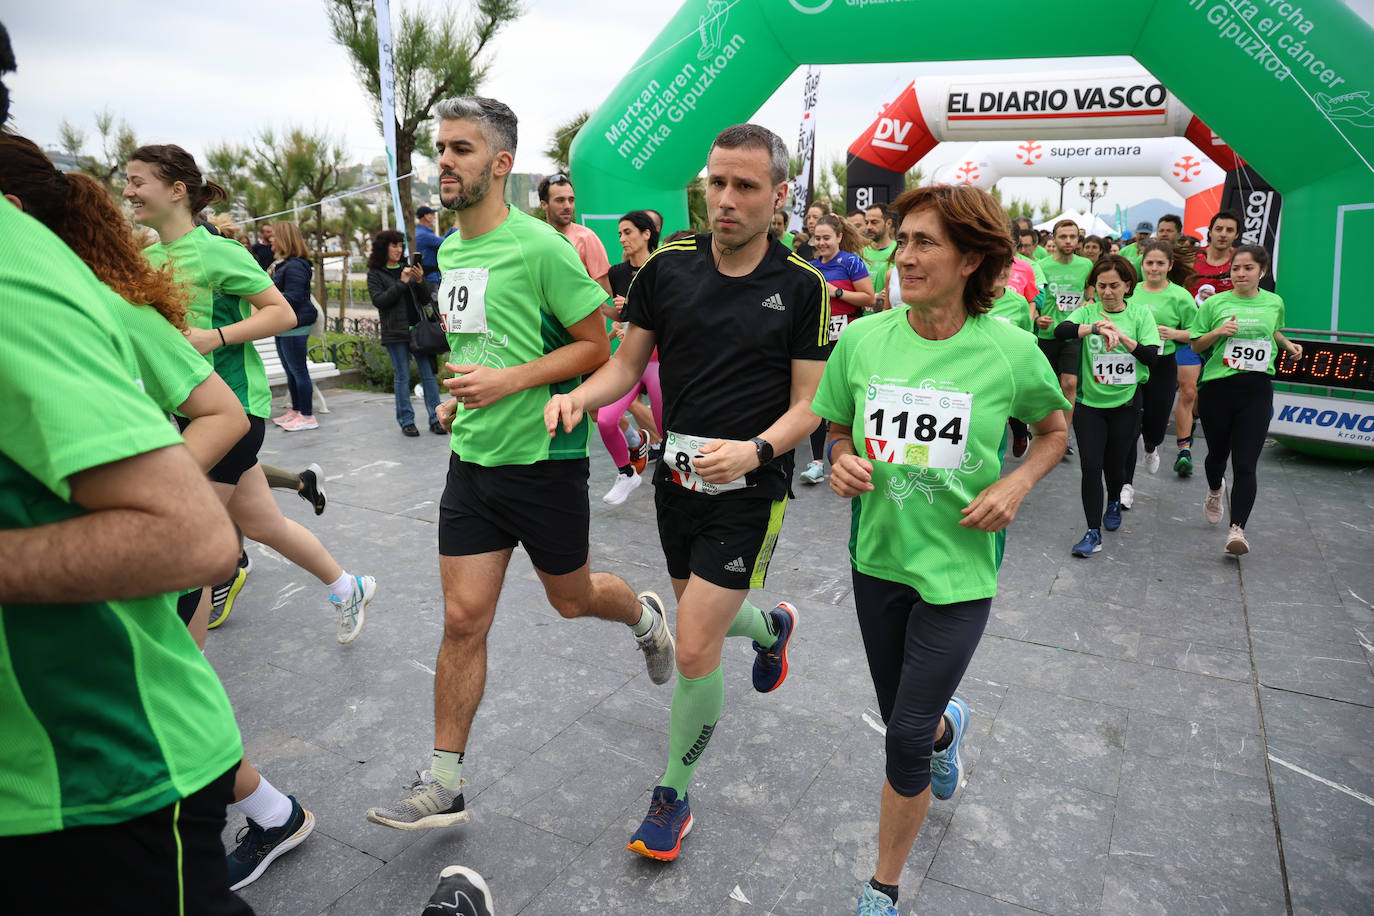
(1090, 223)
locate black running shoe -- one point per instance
(461, 892)
(312, 488)
(258, 846)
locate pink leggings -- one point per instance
(608, 417)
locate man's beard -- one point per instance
(470, 196)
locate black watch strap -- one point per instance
(765, 449)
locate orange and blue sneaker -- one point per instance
(668, 821)
(770, 665)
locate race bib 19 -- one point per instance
(463, 301)
(1114, 369)
(922, 427)
(679, 450)
(1248, 354)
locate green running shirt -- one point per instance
(1259, 317)
(220, 272)
(531, 284)
(907, 528)
(1135, 321)
(1064, 285)
(107, 709)
(1173, 307)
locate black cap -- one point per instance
(422, 212)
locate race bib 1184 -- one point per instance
(922, 427)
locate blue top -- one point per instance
(427, 246)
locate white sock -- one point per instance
(266, 806)
(341, 589)
(646, 620)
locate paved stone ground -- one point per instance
(1157, 730)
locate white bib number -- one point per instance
(837, 325)
(1248, 354)
(1114, 369)
(922, 427)
(463, 301)
(679, 450)
(1067, 302)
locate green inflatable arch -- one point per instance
(1288, 85)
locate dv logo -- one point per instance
(1029, 151)
(1187, 168)
(967, 172)
(891, 134)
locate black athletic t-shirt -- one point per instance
(619, 276)
(726, 345)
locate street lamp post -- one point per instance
(1091, 192)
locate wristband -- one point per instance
(222, 341)
(830, 448)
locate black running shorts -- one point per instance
(727, 542)
(541, 506)
(1062, 354)
(242, 456)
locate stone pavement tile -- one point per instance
(1108, 577)
(1213, 745)
(1338, 671)
(518, 861)
(1354, 584)
(310, 877)
(526, 708)
(1203, 820)
(1076, 742)
(1339, 622)
(1181, 611)
(606, 878)
(938, 897)
(1135, 887)
(1326, 880)
(1195, 657)
(1116, 682)
(1027, 841)
(1274, 574)
(1094, 627)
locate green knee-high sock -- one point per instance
(754, 623)
(697, 702)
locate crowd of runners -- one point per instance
(920, 344)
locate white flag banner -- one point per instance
(806, 148)
(383, 10)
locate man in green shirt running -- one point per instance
(119, 743)
(523, 321)
(878, 254)
(1066, 276)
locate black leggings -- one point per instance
(1104, 436)
(917, 654)
(818, 437)
(1157, 402)
(1235, 412)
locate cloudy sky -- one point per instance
(196, 73)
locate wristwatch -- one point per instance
(839, 293)
(765, 449)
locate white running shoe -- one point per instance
(1127, 496)
(1212, 505)
(814, 473)
(658, 645)
(353, 612)
(624, 485)
(1152, 461)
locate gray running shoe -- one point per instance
(427, 805)
(660, 651)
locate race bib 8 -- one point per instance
(837, 325)
(1114, 369)
(679, 450)
(922, 427)
(1248, 354)
(463, 300)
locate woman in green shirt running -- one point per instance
(918, 400)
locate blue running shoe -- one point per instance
(259, 846)
(873, 902)
(770, 665)
(947, 766)
(668, 821)
(1111, 519)
(1091, 544)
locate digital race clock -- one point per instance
(1326, 364)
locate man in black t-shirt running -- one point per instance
(741, 326)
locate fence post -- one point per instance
(345, 291)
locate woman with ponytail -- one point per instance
(233, 302)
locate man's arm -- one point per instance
(153, 525)
(727, 460)
(482, 386)
(607, 385)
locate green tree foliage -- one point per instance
(117, 144)
(560, 144)
(435, 55)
